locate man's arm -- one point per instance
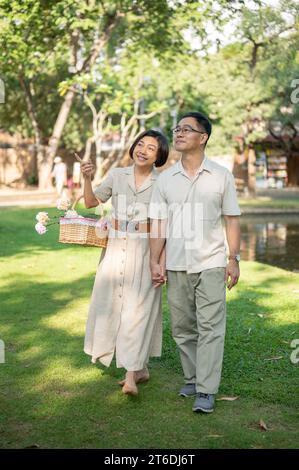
(233, 235)
(157, 245)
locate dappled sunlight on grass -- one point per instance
(118, 398)
(51, 394)
(65, 322)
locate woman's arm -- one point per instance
(90, 200)
(157, 251)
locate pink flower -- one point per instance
(42, 217)
(70, 214)
(40, 228)
(63, 204)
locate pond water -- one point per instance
(272, 239)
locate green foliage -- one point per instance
(158, 52)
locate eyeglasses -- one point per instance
(185, 130)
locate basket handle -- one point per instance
(78, 199)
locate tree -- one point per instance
(44, 43)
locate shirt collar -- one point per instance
(205, 165)
(146, 184)
(129, 170)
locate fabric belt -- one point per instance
(131, 226)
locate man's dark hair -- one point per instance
(202, 120)
(163, 148)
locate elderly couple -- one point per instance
(165, 224)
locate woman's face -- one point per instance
(146, 152)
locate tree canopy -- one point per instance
(65, 62)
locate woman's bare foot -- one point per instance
(141, 376)
(130, 387)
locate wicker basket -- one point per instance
(80, 230)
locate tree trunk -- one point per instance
(251, 172)
(38, 152)
(293, 170)
(52, 147)
(45, 165)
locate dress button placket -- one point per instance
(122, 270)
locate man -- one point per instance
(60, 174)
(186, 207)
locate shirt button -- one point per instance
(121, 273)
(119, 295)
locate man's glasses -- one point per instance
(185, 130)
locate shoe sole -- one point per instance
(186, 396)
(203, 410)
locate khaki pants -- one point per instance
(198, 316)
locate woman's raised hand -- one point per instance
(87, 169)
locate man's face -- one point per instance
(189, 136)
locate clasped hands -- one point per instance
(158, 273)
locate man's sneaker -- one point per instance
(188, 390)
(204, 402)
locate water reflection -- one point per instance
(272, 239)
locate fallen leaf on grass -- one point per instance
(263, 425)
(214, 435)
(33, 446)
(260, 315)
(274, 358)
(227, 398)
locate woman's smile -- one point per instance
(141, 158)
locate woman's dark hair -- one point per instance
(163, 148)
(202, 120)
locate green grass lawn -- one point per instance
(53, 397)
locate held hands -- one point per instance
(158, 274)
(232, 274)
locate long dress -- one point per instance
(125, 309)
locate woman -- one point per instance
(125, 309)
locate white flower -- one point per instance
(69, 214)
(42, 217)
(40, 228)
(63, 204)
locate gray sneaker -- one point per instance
(188, 390)
(204, 402)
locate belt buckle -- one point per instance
(123, 225)
(133, 226)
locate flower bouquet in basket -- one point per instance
(74, 228)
